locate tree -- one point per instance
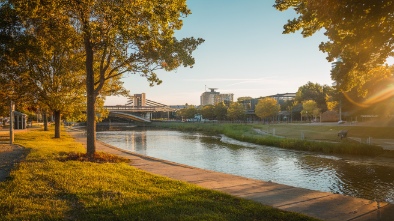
(359, 33)
(315, 92)
(220, 111)
(267, 107)
(246, 102)
(207, 112)
(56, 78)
(236, 111)
(49, 72)
(12, 45)
(187, 113)
(118, 37)
(331, 102)
(309, 108)
(289, 106)
(378, 101)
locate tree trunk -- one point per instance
(91, 101)
(57, 123)
(44, 115)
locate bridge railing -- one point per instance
(138, 108)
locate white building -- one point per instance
(213, 97)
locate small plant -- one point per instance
(98, 157)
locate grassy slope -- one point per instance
(246, 132)
(327, 132)
(48, 186)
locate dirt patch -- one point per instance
(10, 155)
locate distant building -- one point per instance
(283, 97)
(177, 107)
(280, 98)
(138, 100)
(213, 97)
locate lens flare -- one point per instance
(376, 97)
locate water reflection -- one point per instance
(295, 168)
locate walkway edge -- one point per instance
(321, 205)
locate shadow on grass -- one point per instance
(193, 205)
(10, 158)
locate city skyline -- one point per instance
(244, 53)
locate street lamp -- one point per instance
(12, 108)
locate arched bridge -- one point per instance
(138, 108)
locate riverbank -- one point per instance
(50, 183)
(322, 205)
(273, 136)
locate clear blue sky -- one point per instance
(244, 53)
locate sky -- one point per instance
(244, 53)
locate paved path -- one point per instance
(322, 205)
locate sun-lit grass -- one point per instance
(326, 131)
(54, 182)
(322, 139)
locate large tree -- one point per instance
(188, 112)
(118, 37)
(360, 34)
(12, 45)
(208, 112)
(220, 111)
(267, 107)
(48, 72)
(310, 108)
(315, 92)
(236, 111)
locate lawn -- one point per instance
(328, 132)
(50, 183)
(316, 138)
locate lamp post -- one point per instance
(12, 107)
(306, 116)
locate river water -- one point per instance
(295, 168)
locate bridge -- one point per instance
(138, 108)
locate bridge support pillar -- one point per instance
(148, 116)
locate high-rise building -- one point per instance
(213, 97)
(138, 100)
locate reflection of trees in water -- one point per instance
(359, 180)
(136, 141)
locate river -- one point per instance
(295, 168)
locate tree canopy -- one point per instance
(315, 92)
(208, 112)
(360, 36)
(236, 111)
(187, 113)
(267, 107)
(220, 111)
(116, 37)
(310, 108)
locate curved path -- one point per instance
(321, 205)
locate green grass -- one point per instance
(327, 131)
(322, 139)
(55, 182)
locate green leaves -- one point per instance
(267, 107)
(108, 39)
(236, 111)
(359, 32)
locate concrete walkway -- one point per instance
(321, 205)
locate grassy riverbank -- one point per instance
(50, 183)
(322, 139)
